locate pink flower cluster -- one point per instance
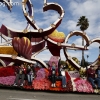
(41, 82)
(9, 80)
(40, 74)
(83, 85)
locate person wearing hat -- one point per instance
(91, 76)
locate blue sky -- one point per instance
(73, 10)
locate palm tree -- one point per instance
(84, 24)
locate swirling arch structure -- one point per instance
(95, 40)
(66, 44)
(88, 43)
(28, 15)
(8, 3)
(70, 60)
(38, 32)
(42, 34)
(78, 33)
(6, 39)
(2, 62)
(17, 58)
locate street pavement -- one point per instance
(12, 94)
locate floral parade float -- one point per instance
(21, 50)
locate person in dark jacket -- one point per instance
(20, 75)
(98, 77)
(91, 76)
(53, 74)
(30, 73)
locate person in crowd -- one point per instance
(91, 76)
(97, 75)
(62, 75)
(30, 73)
(53, 73)
(20, 75)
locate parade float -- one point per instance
(20, 50)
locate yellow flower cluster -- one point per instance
(70, 67)
(7, 50)
(82, 72)
(56, 34)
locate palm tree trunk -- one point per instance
(82, 52)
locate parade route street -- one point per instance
(7, 94)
